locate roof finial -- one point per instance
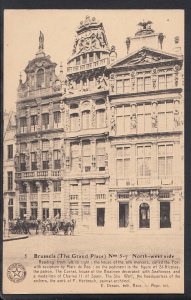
(41, 41)
(20, 78)
(61, 68)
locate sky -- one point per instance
(22, 27)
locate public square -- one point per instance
(86, 243)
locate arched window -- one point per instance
(144, 215)
(40, 78)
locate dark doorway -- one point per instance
(57, 212)
(10, 213)
(165, 215)
(34, 213)
(100, 217)
(23, 212)
(144, 216)
(45, 213)
(123, 214)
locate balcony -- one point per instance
(38, 174)
(23, 197)
(45, 197)
(87, 132)
(149, 182)
(34, 197)
(88, 66)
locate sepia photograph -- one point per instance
(93, 142)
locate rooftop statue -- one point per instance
(41, 41)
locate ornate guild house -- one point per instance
(103, 144)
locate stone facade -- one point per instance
(103, 145)
(9, 186)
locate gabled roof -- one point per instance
(144, 56)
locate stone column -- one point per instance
(5, 215)
(39, 210)
(16, 205)
(154, 211)
(62, 113)
(92, 223)
(133, 178)
(51, 116)
(154, 117)
(28, 118)
(93, 154)
(28, 199)
(51, 159)
(51, 198)
(133, 118)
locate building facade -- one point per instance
(9, 197)
(105, 144)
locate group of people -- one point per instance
(54, 225)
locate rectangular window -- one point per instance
(57, 119)
(85, 211)
(34, 123)
(45, 160)
(45, 121)
(165, 116)
(169, 81)
(120, 120)
(123, 162)
(57, 161)
(147, 83)
(100, 118)
(23, 124)
(140, 84)
(126, 85)
(45, 145)
(23, 147)
(87, 157)
(75, 157)
(10, 180)
(57, 185)
(22, 162)
(119, 86)
(143, 161)
(74, 122)
(165, 160)
(33, 161)
(34, 146)
(10, 151)
(161, 82)
(56, 143)
(100, 152)
(85, 192)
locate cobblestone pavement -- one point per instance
(95, 243)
